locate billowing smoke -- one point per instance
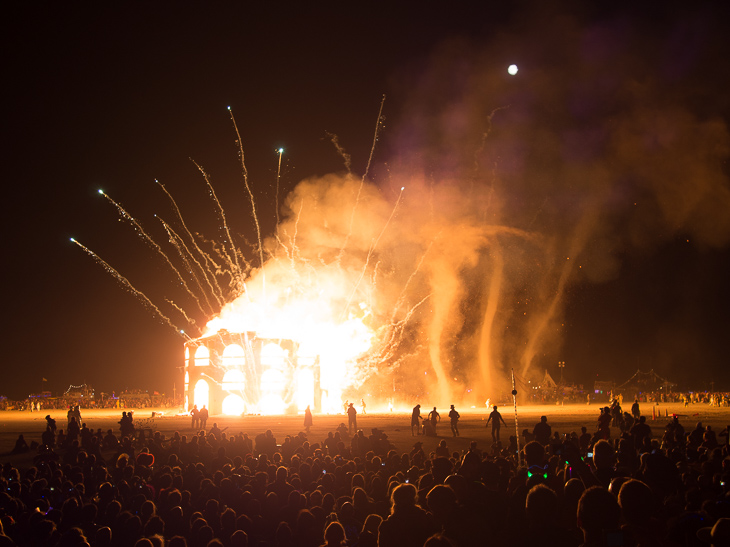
(515, 189)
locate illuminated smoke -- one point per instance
(593, 152)
(517, 188)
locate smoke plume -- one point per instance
(516, 188)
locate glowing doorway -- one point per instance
(200, 394)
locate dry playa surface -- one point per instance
(396, 424)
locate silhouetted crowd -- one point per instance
(616, 486)
(133, 399)
(569, 395)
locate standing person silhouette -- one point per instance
(416, 420)
(542, 431)
(308, 418)
(195, 415)
(496, 418)
(352, 418)
(434, 417)
(635, 411)
(203, 417)
(454, 417)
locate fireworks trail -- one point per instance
(390, 343)
(372, 249)
(233, 264)
(186, 256)
(346, 158)
(278, 175)
(250, 195)
(378, 125)
(153, 243)
(402, 295)
(292, 254)
(211, 274)
(127, 285)
(182, 312)
(296, 229)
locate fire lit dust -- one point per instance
(396, 425)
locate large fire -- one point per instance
(318, 289)
(313, 317)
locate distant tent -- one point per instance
(548, 382)
(646, 381)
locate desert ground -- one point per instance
(396, 424)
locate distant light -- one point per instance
(72, 239)
(229, 108)
(101, 191)
(402, 188)
(281, 150)
(512, 69)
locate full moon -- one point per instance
(512, 69)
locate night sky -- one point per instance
(116, 95)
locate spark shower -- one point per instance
(367, 285)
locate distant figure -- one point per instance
(496, 418)
(346, 406)
(307, 419)
(416, 420)
(126, 426)
(48, 438)
(195, 414)
(641, 433)
(454, 418)
(442, 451)
(61, 439)
(542, 431)
(362, 405)
(584, 440)
(20, 447)
(352, 418)
(51, 423)
(73, 429)
(203, 417)
(434, 417)
(635, 412)
(604, 423)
